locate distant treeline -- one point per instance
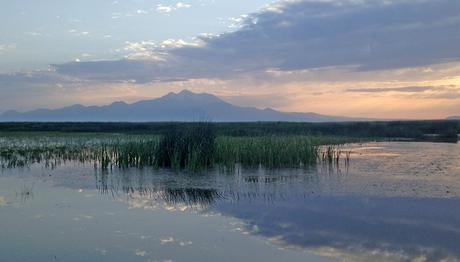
(393, 129)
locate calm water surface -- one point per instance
(393, 202)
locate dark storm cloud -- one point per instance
(296, 35)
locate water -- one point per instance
(394, 202)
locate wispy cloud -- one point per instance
(140, 11)
(144, 50)
(443, 92)
(36, 34)
(404, 89)
(78, 33)
(4, 48)
(178, 43)
(169, 8)
(154, 51)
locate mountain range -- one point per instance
(183, 106)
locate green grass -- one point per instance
(268, 151)
(193, 148)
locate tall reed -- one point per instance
(192, 148)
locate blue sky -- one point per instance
(39, 33)
(364, 58)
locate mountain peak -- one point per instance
(75, 106)
(186, 92)
(191, 97)
(183, 93)
(118, 103)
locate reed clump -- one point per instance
(192, 148)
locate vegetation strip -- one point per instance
(193, 149)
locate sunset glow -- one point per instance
(297, 66)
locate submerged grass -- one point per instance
(194, 148)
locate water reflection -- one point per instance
(25, 193)
(207, 189)
(135, 186)
(359, 227)
(375, 209)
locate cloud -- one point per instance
(236, 22)
(300, 35)
(182, 5)
(179, 43)
(404, 89)
(424, 92)
(6, 47)
(140, 11)
(169, 8)
(144, 50)
(16, 80)
(79, 33)
(23, 91)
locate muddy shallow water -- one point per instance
(394, 201)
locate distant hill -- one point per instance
(454, 118)
(184, 106)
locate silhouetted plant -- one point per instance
(191, 148)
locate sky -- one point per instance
(361, 58)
